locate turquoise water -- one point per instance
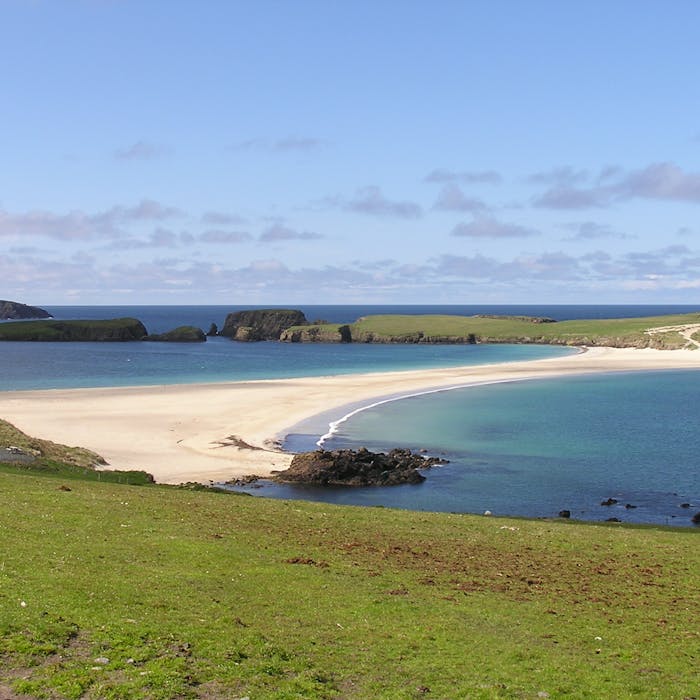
(69, 365)
(529, 448)
(534, 448)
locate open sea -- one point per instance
(529, 448)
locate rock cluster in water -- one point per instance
(357, 468)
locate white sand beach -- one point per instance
(188, 432)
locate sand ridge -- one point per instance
(215, 432)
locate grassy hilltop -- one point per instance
(116, 591)
(618, 332)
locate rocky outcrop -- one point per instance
(213, 330)
(321, 333)
(261, 324)
(118, 329)
(182, 334)
(15, 310)
(356, 468)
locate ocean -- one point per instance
(525, 448)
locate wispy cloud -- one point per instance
(441, 175)
(590, 231)
(660, 181)
(78, 225)
(218, 218)
(278, 232)
(451, 198)
(564, 176)
(142, 150)
(303, 144)
(489, 227)
(221, 236)
(370, 200)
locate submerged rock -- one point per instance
(357, 468)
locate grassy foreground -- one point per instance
(396, 328)
(116, 591)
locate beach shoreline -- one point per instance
(218, 432)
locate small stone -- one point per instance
(488, 512)
(101, 660)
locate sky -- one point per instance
(368, 151)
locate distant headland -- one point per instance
(14, 310)
(667, 332)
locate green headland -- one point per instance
(671, 331)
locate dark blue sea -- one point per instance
(527, 448)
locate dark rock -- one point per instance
(182, 334)
(695, 519)
(213, 330)
(629, 506)
(609, 502)
(15, 310)
(356, 468)
(613, 520)
(564, 513)
(685, 505)
(261, 324)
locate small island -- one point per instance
(13, 310)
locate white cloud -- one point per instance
(78, 225)
(451, 198)
(660, 181)
(370, 200)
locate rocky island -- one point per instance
(261, 324)
(13, 310)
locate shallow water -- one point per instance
(534, 448)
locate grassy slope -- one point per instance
(625, 331)
(211, 595)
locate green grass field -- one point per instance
(624, 332)
(116, 591)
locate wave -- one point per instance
(334, 426)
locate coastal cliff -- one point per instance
(261, 324)
(13, 310)
(662, 332)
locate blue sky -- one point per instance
(173, 152)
